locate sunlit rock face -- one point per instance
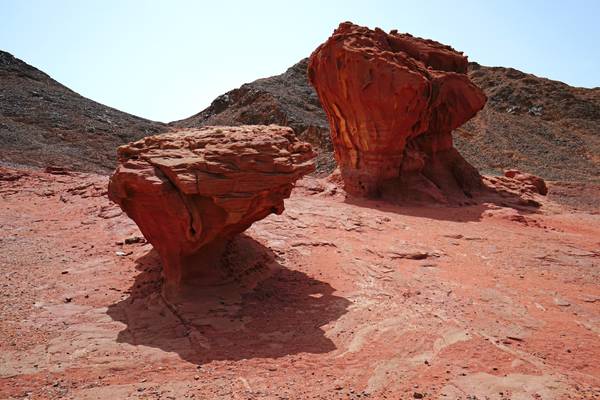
(191, 190)
(392, 101)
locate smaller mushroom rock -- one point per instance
(191, 190)
(392, 101)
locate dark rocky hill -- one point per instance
(534, 124)
(530, 123)
(45, 123)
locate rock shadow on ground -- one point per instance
(281, 315)
(467, 211)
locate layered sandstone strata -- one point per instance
(191, 190)
(392, 101)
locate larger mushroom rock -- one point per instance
(189, 191)
(392, 101)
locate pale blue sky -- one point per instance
(166, 60)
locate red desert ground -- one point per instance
(381, 221)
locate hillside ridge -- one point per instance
(43, 122)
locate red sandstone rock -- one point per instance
(517, 186)
(392, 101)
(532, 182)
(9, 175)
(191, 190)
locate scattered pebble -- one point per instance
(134, 239)
(561, 302)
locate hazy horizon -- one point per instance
(167, 61)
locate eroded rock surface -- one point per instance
(191, 190)
(392, 101)
(518, 187)
(530, 181)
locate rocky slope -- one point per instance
(530, 123)
(43, 122)
(536, 124)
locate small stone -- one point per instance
(134, 239)
(196, 377)
(561, 302)
(418, 395)
(591, 299)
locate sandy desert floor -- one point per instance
(356, 300)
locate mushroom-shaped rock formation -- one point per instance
(191, 190)
(392, 101)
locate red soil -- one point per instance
(341, 299)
